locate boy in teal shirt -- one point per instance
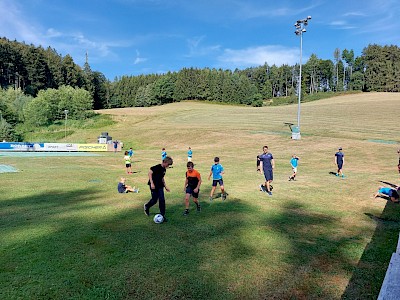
(294, 162)
(216, 171)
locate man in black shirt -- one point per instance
(157, 184)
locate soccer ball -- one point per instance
(158, 219)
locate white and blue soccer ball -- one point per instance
(158, 218)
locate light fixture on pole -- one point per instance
(66, 117)
(300, 29)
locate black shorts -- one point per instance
(190, 190)
(218, 181)
(128, 165)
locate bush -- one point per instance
(257, 103)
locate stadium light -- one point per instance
(300, 29)
(66, 117)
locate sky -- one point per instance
(134, 37)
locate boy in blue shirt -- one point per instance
(294, 162)
(190, 154)
(392, 193)
(216, 171)
(163, 154)
(130, 152)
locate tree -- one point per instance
(49, 105)
(164, 89)
(72, 73)
(357, 81)
(336, 55)
(348, 57)
(7, 132)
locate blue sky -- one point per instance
(133, 37)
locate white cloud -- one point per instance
(354, 14)
(249, 11)
(256, 56)
(196, 48)
(52, 33)
(139, 59)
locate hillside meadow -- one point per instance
(67, 234)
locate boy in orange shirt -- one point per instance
(192, 187)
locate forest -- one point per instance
(39, 85)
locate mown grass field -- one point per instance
(66, 233)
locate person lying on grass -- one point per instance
(388, 193)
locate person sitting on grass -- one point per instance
(123, 188)
(388, 193)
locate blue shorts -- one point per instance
(218, 181)
(190, 190)
(268, 174)
(340, 166)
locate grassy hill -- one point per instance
(67, 233)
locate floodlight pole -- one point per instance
(299, 102)
(66, 117)
(300, 29)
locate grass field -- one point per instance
(66, 233)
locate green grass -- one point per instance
(307, 98)
(66, 233)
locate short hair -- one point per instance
(216, 159)
(190, 164)
(168, 160)
(126, 152)
(265, 146)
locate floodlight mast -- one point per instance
(66, 117)
(300, 29)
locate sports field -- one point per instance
(66, 233)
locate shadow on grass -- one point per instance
(68, 245)
(368, 275)
(75, 245)
(316, 255)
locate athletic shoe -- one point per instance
(198, 208)
(269, 193)
(223, 196)
(211, 199)
(146, 210)
(165, 220)
(186, 212)
(262, 188)
(290, 178)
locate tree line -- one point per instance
(39, 84)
